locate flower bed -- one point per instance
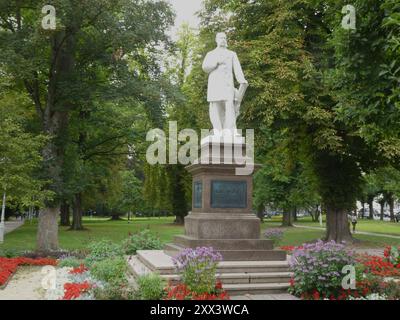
(317, 269)
(182, 292)
(73, 284)
(274, 234)
(379, 266)
(75, 290)
(197, 268)
(317, 273)
(8, 266)
(290, 249)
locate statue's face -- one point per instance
(221, 40)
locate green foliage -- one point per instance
(111, 270)
(11, 253)
(69, 262)
(94, 91)
(143, 240)
(150, 287)
(392, 290)
(197, 268)
(101, 250)
(321, 99)
(113, 292)
(319, 267)
(20, 156)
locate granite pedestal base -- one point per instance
(222, 214)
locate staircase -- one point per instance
(237, 277)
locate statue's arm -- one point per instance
(209, 63)
(237, 68)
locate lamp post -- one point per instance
(3, 216)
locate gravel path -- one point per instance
(12, 225)
(24, 285)
(357, 232)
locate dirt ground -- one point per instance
(26, 284)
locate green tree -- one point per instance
(320, 84)
(63, 69)
(19, 156)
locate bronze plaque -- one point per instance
(228, 194)
(197, 194)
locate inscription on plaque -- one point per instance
(198, 194)
(228, 194)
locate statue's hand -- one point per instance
(221, 61)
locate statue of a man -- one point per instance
(224, 99)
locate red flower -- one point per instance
(8, 266)
(79, 270)
(182, 292)
(74, 290)
(316, 295)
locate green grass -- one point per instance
(373, 226)
(24, 238)
(298, 236)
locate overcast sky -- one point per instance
(185, 12)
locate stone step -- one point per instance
(236, 255)
(256, 288)
(157, 260)
(238, 277)
(137, 268)
(260, 277)
(224, 244)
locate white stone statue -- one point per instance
(221, 64)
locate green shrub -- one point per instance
(11, 253)
(197, 268)
(101, 250)
(114, 292)
(143, 240)
(111, 270)
(150, 287)
(317, 268)
(71, 262)
(392, 290)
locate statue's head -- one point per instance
(221, 39)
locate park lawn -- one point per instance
(374, 226)
(24, 238)
(297, 236)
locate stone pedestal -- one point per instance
(222, 214)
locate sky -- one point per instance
(185, 12)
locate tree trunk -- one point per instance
(315, 216)
(391, 207)
(363, 209)
(180, 220)
(77, 213)
(382, 203)
(65, 214)
(47, 235)
(294, 214)
(337, 225)
(371, 208)
(260, 213)
(287, 218)
(178, 194)
(55, 123)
